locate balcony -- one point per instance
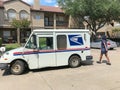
(59, 24)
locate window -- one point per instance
(60, 18)
(6, 35)
(11, 14)
(23, 14)
(61, 42)
(5, 15)
(37, 16)
(45, 43)
(32, 44)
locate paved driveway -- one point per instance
(86, 77)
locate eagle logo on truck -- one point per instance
(75, 40)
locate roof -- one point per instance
(2, 2)
(105, 28)
(49, 9)
(60, 30)
(42, 8)
(19, 0)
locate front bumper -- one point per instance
(88, 60)
(89, 57)
(3, 66)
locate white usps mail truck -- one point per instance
(49, 48)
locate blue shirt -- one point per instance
(103, 49)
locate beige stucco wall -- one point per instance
(37, 23)
(17, 6)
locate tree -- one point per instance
(0, 42)
(96, 13)
(20, 24)
(116, 33)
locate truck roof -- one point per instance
(59, 30)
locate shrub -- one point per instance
(116, 33)
(0, 42)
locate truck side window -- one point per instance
(61, 42)
(45, 43)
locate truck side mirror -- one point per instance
(2, 49)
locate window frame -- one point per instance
(37, 16)
(42, 48)
(23, 14)
(59, 42)
(12, 14)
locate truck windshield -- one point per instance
(31, 44)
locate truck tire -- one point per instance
(74, 61)
(17, 67)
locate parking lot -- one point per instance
(87, 77)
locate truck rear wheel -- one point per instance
(74, 61)
(17, 67)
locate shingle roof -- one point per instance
(19, 0)
(49, 9)
(42, 8)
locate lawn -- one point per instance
(11, 46)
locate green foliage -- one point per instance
(116, 33)
(115, 30)
(99, 12)
(0, 42)
(24, 23)
(11, 46)
(20, 24)
(16, 23)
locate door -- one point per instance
(46, 51)
(46, 21)
(31, 53)
(62, 54)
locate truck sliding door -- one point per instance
(46, 51)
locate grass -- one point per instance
(11, 46)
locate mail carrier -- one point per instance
(49, 48)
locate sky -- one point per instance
(43, 2)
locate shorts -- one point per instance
(103, 51)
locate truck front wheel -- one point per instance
(74, 61)
(17, 67)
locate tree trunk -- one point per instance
(18, 35)
(93, 36)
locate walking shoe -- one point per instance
(108, 63)
(99, 62)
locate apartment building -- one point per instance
(40, 16)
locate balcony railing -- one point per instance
(58, 23)
(61, 23)
(50, 23)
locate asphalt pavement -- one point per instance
(86, 77)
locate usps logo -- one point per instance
(75, 40)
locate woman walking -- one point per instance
(104, 50)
